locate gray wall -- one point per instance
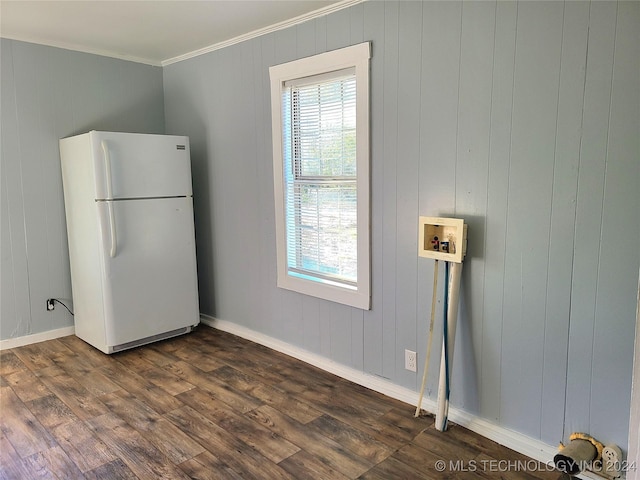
(48, 94)
(523, 119)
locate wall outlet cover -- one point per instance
(410, 361)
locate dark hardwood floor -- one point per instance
(210, 405)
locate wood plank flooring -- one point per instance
(210, 405)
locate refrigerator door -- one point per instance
(150, 282)
(131, 165)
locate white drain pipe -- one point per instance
(448, 343)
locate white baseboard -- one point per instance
(523, 444)
(36, 338)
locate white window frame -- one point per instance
(357, 57)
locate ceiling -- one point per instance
(156, 32)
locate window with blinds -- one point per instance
(321, 169)
(320, 175)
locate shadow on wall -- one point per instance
(203, 211)
(469, 368)
(127, 117)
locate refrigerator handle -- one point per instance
(112, 220)
(112, 230)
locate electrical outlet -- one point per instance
(612, 461)
(51, 304)
(410, 362)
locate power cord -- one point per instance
(54, 300)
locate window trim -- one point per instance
(356, 56)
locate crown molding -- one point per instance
(263, 31)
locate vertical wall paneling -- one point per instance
(178, 99)
(340, 333)
(357, 339)
(521, 117)
(326, 312)
(535, 98)
(15, 309)
(374, 19)
(250, 173)
(257, 160)
(474, 125)
(563, 212)
(356, 24)
(321, 34)
(7, 273)
(29, 118)
(219, 113)
(356, 28)
(306, 39)
(339, 29)
(389, 159)
(439, 102)
(47, 94)
(241, 173)
(312, 324)
(440, 73)
(496, 208)
(613, 334)
(251, 225)
(231, 167)
(589, 207)
(270, 307)
(408, 157)
(259, 233)
(57, 121)
(221, 198)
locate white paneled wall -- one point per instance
(521, 118)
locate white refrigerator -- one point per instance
(129, 212)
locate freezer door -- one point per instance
(132, 165)
(150, 281)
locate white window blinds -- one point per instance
(319, 131)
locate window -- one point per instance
(320, 117)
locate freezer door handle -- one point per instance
(107, 169)
(112, 220)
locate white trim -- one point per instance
(263, 31)
(523, 444)
(36, 338)
(357, 57)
